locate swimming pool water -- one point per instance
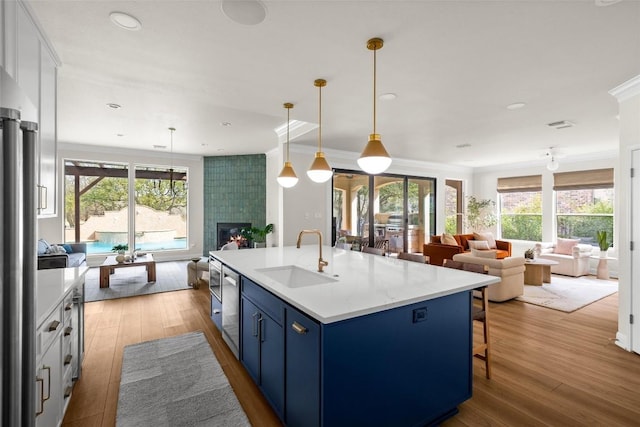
(103, 247)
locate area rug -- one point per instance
(568, 293)
(132, 281)
(174, 382)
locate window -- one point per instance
(97, 210)
(584, 204)
(521, 207)
(453, 207)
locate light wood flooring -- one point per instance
(549, 368)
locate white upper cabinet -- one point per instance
(28, 59)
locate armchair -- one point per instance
(572, 257)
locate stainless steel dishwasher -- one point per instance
(231, 308)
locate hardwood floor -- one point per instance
(549, 367)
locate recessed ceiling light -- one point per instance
(562, 124)
(114, 105)
(516, 106)
(160, 147)
(126, 21)
(244, 12)
(465, 145)
(120, 134)
(225, 124)
(387, 97)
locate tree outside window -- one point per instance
(521, 215)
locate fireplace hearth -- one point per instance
(228, 231)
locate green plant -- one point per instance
(256, 234)
(480, 214)
(120, 247)
(602, 240)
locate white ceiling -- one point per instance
(454, 65)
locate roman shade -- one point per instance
(596, 178)
(517, 184)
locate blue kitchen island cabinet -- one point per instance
(408, 366)
(371, 341)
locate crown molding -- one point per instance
(627, 90)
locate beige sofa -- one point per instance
(575, 265)
(509, 270)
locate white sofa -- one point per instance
(575, 265)
(510, 270)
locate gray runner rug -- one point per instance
(176, 381)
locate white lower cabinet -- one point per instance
(49, 385)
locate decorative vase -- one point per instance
(603, 254)
(120, 258)
(259, 244)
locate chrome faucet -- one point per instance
(321, 263)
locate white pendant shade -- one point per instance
(287, 177)
(374, 158)
(320, 171)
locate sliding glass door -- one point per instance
(396, 212)
(97, 200)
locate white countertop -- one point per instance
(51, 287)
(366, 283)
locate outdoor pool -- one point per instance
(103, 247)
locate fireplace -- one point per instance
(228, 231)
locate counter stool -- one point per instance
(480, 313)
(197, 265)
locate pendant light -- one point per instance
(287, 177)
(374, 158)
(320, 170)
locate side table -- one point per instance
(602, 272)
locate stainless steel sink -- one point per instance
(292, 276)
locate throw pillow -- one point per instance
(484, 254)
(488, 237)
(55, 249)
(68, 249)
(479, 244)
(564, 246)
(43, 246)
(448, 239)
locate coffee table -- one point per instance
(109, 266)
(538, 271)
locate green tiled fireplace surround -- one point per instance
(234, 191)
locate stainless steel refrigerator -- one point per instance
(18, 151)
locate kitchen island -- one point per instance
(370, 341)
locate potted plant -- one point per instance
(120, 249)
(257, 235)
(602, 242)
(480, 214)
(529, 254)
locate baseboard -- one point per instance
(622, 341)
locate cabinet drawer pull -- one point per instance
(54, 325)
(41, 381)
(299, 328)
(67, 331)
(48, 369)
(67, 392)
(68, 306)
(254, 324)
(216, 311)
(67, 359)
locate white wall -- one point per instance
(628, 95)
(52, 229)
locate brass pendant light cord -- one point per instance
(320, 118)
(374, 90)
(288, 111)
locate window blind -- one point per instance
(580, 180)
(517, 184)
